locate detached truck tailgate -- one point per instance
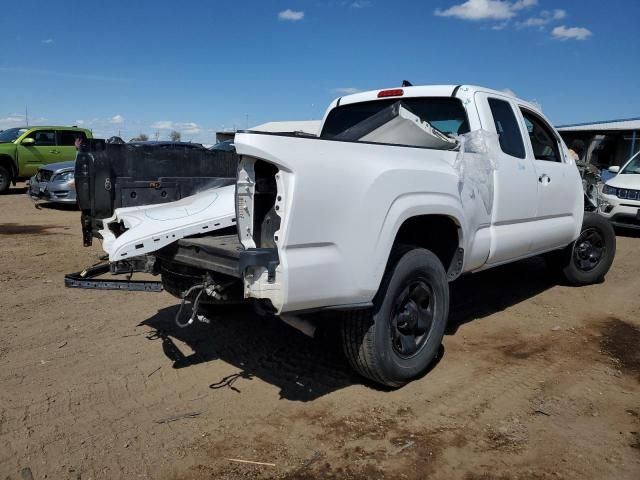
(110, 176)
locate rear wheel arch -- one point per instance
(440, 234)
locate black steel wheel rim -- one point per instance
(589, 249)
(412, 318)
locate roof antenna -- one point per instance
(407, 83)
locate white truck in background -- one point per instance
(403, 191)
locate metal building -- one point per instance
(606, 143)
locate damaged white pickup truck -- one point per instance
(401, 192)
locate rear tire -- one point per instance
(5, 179)
(396, 340)
(589, 258)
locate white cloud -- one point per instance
(544, 18)
(117, 119)
(48, 41)
(360, 4)
(163, 125)
(485, 9)
(79, 122)
(508, 91)
(522, 4)
(291, 15)
(571, 33)
(12, 121)
(187, 128)
(501, 25)
(346, 90)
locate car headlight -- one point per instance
(64, 177)
(609, 190)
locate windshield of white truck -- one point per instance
(443, 113)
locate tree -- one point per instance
(143, 137)
(175, 136)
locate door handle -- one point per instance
(54, 151)
(544, 179)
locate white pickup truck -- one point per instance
(402, 191)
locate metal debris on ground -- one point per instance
(251, 462)
(179, 417)
(403, 447)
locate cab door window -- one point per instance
(43, 137)
(543, 141)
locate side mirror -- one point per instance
(614, 169)
(28, 142)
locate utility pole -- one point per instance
(26, 114)
(247, 125)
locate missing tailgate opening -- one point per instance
(266, 220)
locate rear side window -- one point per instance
(507, 128)
(444, 113)
(68, 138)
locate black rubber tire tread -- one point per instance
(358, 330)
(357, 347)
(5, 184)
(571, 273)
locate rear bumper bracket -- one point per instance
(86, 279)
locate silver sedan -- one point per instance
(54, 183)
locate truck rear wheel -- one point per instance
(589, 258)
(400, 336)
(5, 179)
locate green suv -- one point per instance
(24, 150)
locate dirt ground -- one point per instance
(536, 380)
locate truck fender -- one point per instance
(409, 206)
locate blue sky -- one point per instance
(145, 66)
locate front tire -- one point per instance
(5, 179)
(589, 258)
(396, 340)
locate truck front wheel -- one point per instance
(400, 336)
(589, 258)
(5, 179)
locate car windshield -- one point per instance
(633, 166)
(10, 134)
